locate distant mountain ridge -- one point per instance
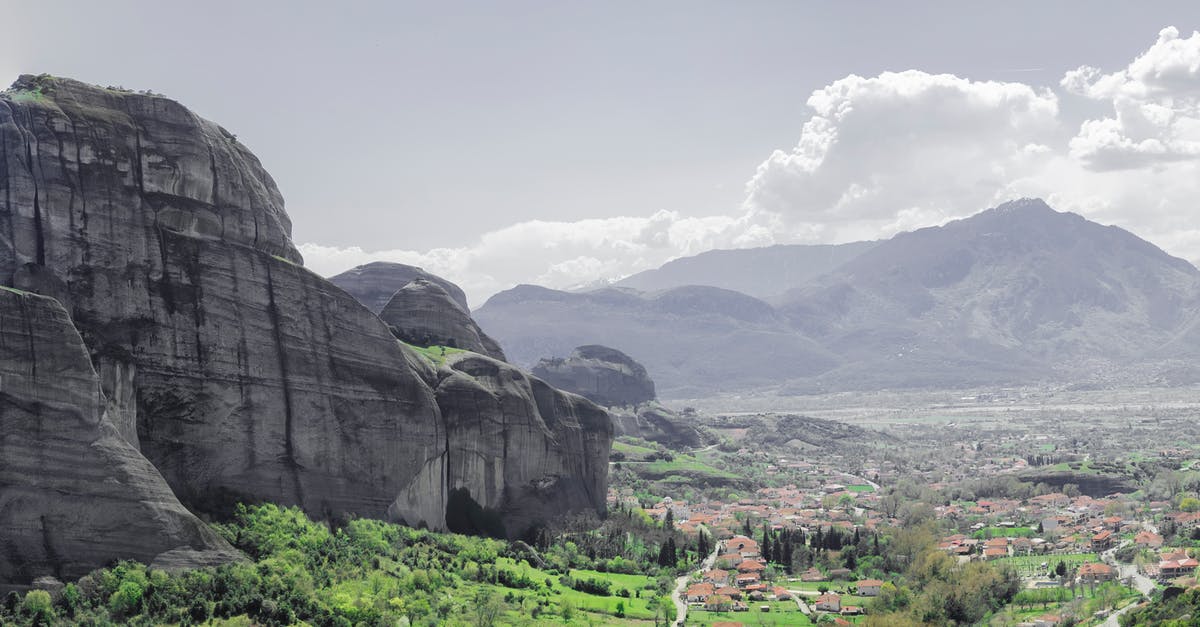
(693, 340)
(764, 273)
(1019, 293)
(1014, 291)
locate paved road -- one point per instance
(799, 595)
(1141, 583)
(681, 583)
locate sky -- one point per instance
(562, 143)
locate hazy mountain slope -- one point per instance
(1014, 292)
(760, 272)
(692, 340)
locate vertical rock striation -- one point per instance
(507, 435)
(75, 494)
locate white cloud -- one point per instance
(1156, 107)
(891, 153)
(558, 254)
(885, 153)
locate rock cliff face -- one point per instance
(425, 314)
(237, 372)
(243, 375)
(601, 374)
(74, 493)
(373, 284)
(506, 433)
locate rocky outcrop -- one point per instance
(613, 379)
(423, 313)
(654, 422)
(240, 374)
(74, 493)
(601, 374)
(373, 284)
(507, 434)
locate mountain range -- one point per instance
(1016, 294)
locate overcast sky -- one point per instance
(562, 142)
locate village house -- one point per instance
(730, 592)
(1102, 541)
(812, 575)
(1096, 573)
(718, 603)
(747, 579)
(1176, 565)
(716, 576)
(869, 587)
(751, 566)
(698, 593)
(1148, 540)
(828, 603)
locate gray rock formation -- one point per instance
(373, 284)
(506, 433)
(243, 375)
(613, 379)
(423, 313)
(74, 493)
(599, 373)
(654, 422)
(240, 374)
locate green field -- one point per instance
(860, 488)
(1004, 532)
(681, 469)
(1030, 565)
(630, 450)
(782, 613)
(435, 354)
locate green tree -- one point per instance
(127, 600)
(39, 607)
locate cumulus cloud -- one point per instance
(1156, 107)
(889, 153)
(900, 150)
